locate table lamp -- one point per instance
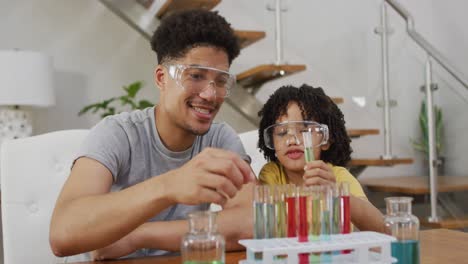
(26, 79)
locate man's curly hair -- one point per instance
(315, 105)
(182, 31)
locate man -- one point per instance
(140, 173)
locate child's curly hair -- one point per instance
(185, 30)
(315, 105)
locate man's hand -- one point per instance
(212, 176)
(318, 172)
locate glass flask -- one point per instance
(202, 244)
(402, 224)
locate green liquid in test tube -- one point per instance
(315, 225)
(280, 210)
(308, 146)
(270, 221)
(326, 206)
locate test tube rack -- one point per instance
(359, 242)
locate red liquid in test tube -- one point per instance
(303, 232)
(345, 211)
(291, 207)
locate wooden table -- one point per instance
(443, 246)
(437, 246)
(231, 257)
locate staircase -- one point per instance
(433, 184)
(144, 16)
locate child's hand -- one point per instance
(318, 172)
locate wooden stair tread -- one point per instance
(171, 6)
(450, 223)
(415, 184)
(379, 162)
(337, 100)
(361, 132)
(247, 37)
(267, 72)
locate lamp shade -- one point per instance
(26, 78)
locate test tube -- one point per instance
(310, 200)
(336, 216)
(326, 219)
(315, 205)
(258, 218)
(259, 212)
(270, 220)
(345, 211)
(280, 210)
(302, 213)
(303, 193)
(315, 215)
(308, 146)
(326, 207)
(291, 206)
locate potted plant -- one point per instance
(422, 145)
(107, 107)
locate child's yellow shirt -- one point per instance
(273, 173)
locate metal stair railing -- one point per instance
(432, 53)
(424, 44)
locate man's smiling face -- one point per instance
(194, 112)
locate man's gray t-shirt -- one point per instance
(129, 145)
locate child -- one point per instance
(286, 113)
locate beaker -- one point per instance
(402, 224)
(202, 244)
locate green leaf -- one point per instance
(133, 89)
(423, 145)
(127, 101)
(105, 108)
(144, 104)
(105, 103)
(110, 111)
(87, 108)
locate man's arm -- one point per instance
(85, 214)
(234, 223)
(88, 217)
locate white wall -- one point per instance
(95, 53)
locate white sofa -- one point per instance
(32, 173)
